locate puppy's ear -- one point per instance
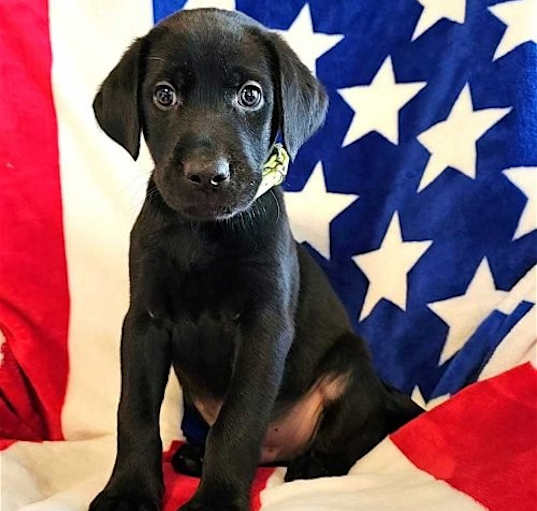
(116, 103)
(301, 100)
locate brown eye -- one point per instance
(164, 96)
(250, 95)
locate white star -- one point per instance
(313, 208)
(418, 398)
(464, 313)
(377, 105)
(452, 142)
(200, 4)
(387, 267)
(435, 10)
(308, 44)
(520, 16)
(525, 178)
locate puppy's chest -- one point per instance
(204, 309)
(189, 287)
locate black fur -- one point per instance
(219, 288)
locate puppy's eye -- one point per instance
(250, 95)
(164, 96)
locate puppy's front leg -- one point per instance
(136, 481)
(233, 445)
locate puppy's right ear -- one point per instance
(116, 103)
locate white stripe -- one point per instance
(384, 480)
(518, 347)
(55, 476)
(102, 189)
(19, 482)
(520, 344)
(523, 290)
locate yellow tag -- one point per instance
(274, 169)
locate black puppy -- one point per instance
(219, 288)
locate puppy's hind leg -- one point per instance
(358, 419)
(188, 459)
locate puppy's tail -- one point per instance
(400, 408)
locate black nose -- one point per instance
(208, 173)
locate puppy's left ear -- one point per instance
(116, 103)
(300, 99)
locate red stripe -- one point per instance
(483, 441)
(34, 300)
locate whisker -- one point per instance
(277, 204)
(133, 191)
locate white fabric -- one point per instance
(55, 476)
(384, 480)
(65, 476)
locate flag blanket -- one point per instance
(418, 198)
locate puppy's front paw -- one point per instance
(206, 503)
(109, 501)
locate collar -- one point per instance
(274, 169)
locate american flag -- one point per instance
(418, 198)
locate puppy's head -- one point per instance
(210, 90)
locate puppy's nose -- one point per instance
(209, 173)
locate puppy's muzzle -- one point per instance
(206, 173)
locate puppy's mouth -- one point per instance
(207, 213)
(206, 206)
